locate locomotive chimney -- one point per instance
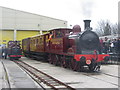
(86, 24)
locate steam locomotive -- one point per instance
(14, 50)
(69, 48)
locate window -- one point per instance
(4, 40)
(37, 41)
(59, 34)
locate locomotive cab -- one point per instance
(58, 40)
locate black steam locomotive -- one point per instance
(14, 50)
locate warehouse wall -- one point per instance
(0, 36)
(16, 24)
(0, 25)
(8, 35)
(15, 19)
(25, 34)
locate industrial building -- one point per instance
(16, 24)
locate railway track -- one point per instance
(6, 76)
(43, 78)
(88, 73)
(111, 75)
(101, 73)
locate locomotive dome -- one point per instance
(77, 28)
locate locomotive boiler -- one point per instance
(69, 48)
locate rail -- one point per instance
(43, 77)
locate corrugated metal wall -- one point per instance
(0, 36)
(16, 25)
(8, 35)
(25, 34)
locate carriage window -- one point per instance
(46, 36)
(59, 34)
(33, 41)
(37, 41)
(40, 40)
(52, 34)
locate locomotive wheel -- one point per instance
(77, 66)
(92, 67)
(67, 63)
(50, 58)
(10, 58)
(25, 55)
(62, 62)
(17, 58)
(56, 60)
(73, 64)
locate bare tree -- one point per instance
(100, 27)
(114, 28)
(105, 27)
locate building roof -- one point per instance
(22, 20)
